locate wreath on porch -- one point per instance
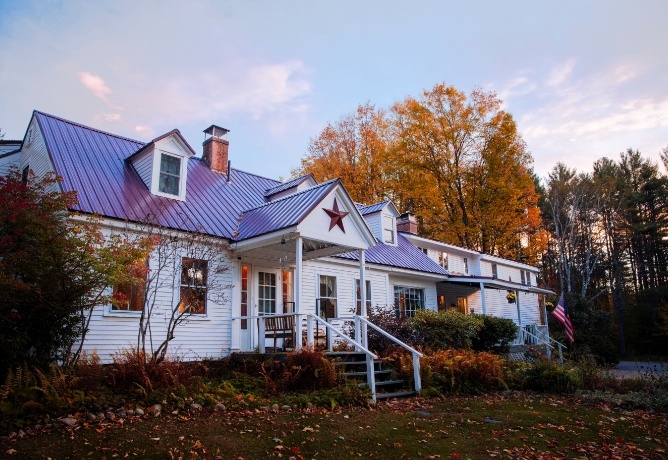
(511, 297)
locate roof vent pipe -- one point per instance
(229, 171)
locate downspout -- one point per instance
(482, 294)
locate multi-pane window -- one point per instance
(443, 259)
(388, 229)
(408, 300)
(466, 265)
(327, 301)
(358, 296)
(244, 295)
(24, 174)
(495, 271)
(424, 250)
(266, 297)
(194, 273)
(288, 295)
(522, 279)
(528, 278)
(170, 174)
(130, 296)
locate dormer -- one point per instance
(382, 220)
(162, 165)
(288, 188)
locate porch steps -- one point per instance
(525, 352)
(352, 365)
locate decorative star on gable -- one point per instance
(336, 216)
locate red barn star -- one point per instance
(336, 215)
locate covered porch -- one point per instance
(489, 296)
(276, 242)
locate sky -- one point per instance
(583, 79)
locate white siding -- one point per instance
(198, 337)
(374, 223)
(144, 167)
(34, 153)
(7, 162)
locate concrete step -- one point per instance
(396, 394)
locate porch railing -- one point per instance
(529, 338)
(359, 321)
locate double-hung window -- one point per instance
(466, 265)
(130, 296)
(358, 296)
(408, 300)
(388, 229)
(327, 301)
(194, 274)
(170, 174)
(443, 259)
(495, 271)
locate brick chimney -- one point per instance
(216, 148)
(407, 223)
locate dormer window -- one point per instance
(388, 229)
(162, 165)
(170, 174)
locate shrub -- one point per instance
(307, 369)
(132, 370)
(547, 376)
(462, 371)
(495, 335)
(401, 328)
(443, 330)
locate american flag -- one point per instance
(561, 313)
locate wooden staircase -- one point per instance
(353, 366)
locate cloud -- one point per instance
(578, 120)
(95, 84)
(560, 74)
(112, 116)
(144, 131)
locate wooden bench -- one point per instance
(280, 327)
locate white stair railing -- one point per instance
(312, 319)
(527, 336)
(416, 354)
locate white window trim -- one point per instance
(356, 279)
(393, 227)
(317, 293)
(155, 179)
(177, 295)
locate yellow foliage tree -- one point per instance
(455, 160)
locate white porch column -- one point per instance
(235, 301)
(298, 293)
(364, 313)
(482, 295)
(517, 302)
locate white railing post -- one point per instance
(357, 331)
(261, 334)
(309, 331)
(371, 375)
(416, 373)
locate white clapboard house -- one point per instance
(297, 250)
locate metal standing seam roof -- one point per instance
(287, 185)
(91, 162)
(365, 210)
(404, 255)
(284, 212)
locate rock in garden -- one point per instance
(67, 421)
(286, 407)
(139, 411)
(195, 406)
(220, 407)
(274, 407)
(91, 417)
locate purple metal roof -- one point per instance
(288, 185)
(365, 210)
(284, 212)
(91, 162)
(404, 255)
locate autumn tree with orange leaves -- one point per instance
(455, 160)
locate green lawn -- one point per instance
(515, 426)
